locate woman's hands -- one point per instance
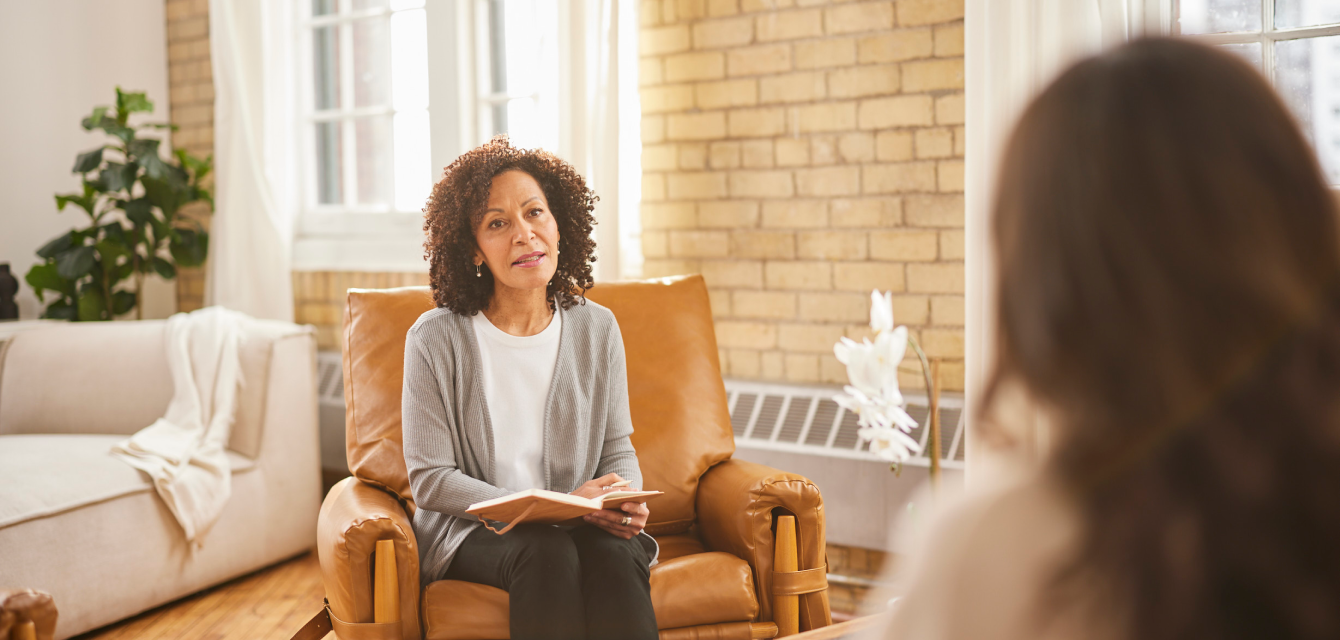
(598, 487)
(611, 519)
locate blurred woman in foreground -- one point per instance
(1168, 293)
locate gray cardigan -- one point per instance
(448, 438)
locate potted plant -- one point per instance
(132, 197)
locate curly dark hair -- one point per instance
(457, 205)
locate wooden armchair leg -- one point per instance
(786, 608)
(385, 584)
(24, 631)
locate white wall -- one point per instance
(58, 60)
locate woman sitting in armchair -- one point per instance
(516, 382)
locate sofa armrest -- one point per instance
(353, 518)
(736, 504)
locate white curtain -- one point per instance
(251, 234)
(600, 124)
(1014, 48)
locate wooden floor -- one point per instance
(271, 604)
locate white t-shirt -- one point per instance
(517, 373)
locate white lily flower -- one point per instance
(890, 444)
(881, 311)
(873, 394)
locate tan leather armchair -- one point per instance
(715, 523)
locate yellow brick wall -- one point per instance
(318, 297)
(191, 101)
(799, 153)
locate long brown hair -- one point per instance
(1168, 260)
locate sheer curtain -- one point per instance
(1014, 48)
(600, 129)
(255, 187)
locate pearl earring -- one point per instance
(477, 272)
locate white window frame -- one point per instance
(372, 238)
(1267, 38)
(349, 239)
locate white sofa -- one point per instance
(88, 528)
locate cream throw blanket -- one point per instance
(184, 452)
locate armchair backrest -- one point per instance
(681, 426)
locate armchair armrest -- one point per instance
(354, 516)
(736, 501)
(21, 606)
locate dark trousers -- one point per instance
(563, 585)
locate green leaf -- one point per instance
(94, 121)
(91, 305)
(164, 268)
(75, 263)
(110, 250)
(189, 247)
(122, 272)
(61, 310)
(145, 153)
(117, 176)
(88, 161)
(44, 276)
(154, 166)
(132, 102)
(122, 302)
(139, 211)
(126, 134)
(50, 249)
(116, 233)
(161, 194)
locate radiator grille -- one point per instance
(806, 420)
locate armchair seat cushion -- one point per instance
(43, 475)
(691, 590)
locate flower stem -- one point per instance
(933, 419)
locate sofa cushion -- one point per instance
(44, 475)
(698, 589)
(122, 379)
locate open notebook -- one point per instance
(539, 506)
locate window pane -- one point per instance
(323, 7)
(1307, 74)
(329, 181)
(409, 60)
(530, 43)
(497, 48)
(373, 136)
(326, 65)
(523, 50)
(499, 119)
(1218, 16)
(1250, 51)
(1306, 13)
(397, 5)
(521, 123)
(372, 64)
(413, 165)
(360, 5)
